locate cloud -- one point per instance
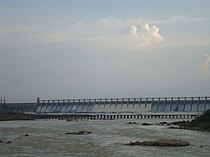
(149, 35)
(117, 22)
(176, 19)
(133, 31)
(104, 33)
(111, 21)
(206, 65)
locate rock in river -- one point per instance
(80, 133)
(131, 123)
(147, 124)
(161, 143)
(8, 142)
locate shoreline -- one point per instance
(15, 116)
(198, 124)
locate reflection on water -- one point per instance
(48, 138)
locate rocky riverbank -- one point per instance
(201, 123)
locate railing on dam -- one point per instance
(117, 105)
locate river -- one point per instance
(49, 138)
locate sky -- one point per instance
(55, 49)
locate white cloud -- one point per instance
(134, 31)
(107, 33)
(149, 35)
(95, 36)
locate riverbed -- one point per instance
(49, 138)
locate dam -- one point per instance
(111, 107)
(124, 105)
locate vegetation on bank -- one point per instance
(202, 122)
(15, 116)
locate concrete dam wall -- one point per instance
(86, 108)
(122, 105)
(134, 105)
